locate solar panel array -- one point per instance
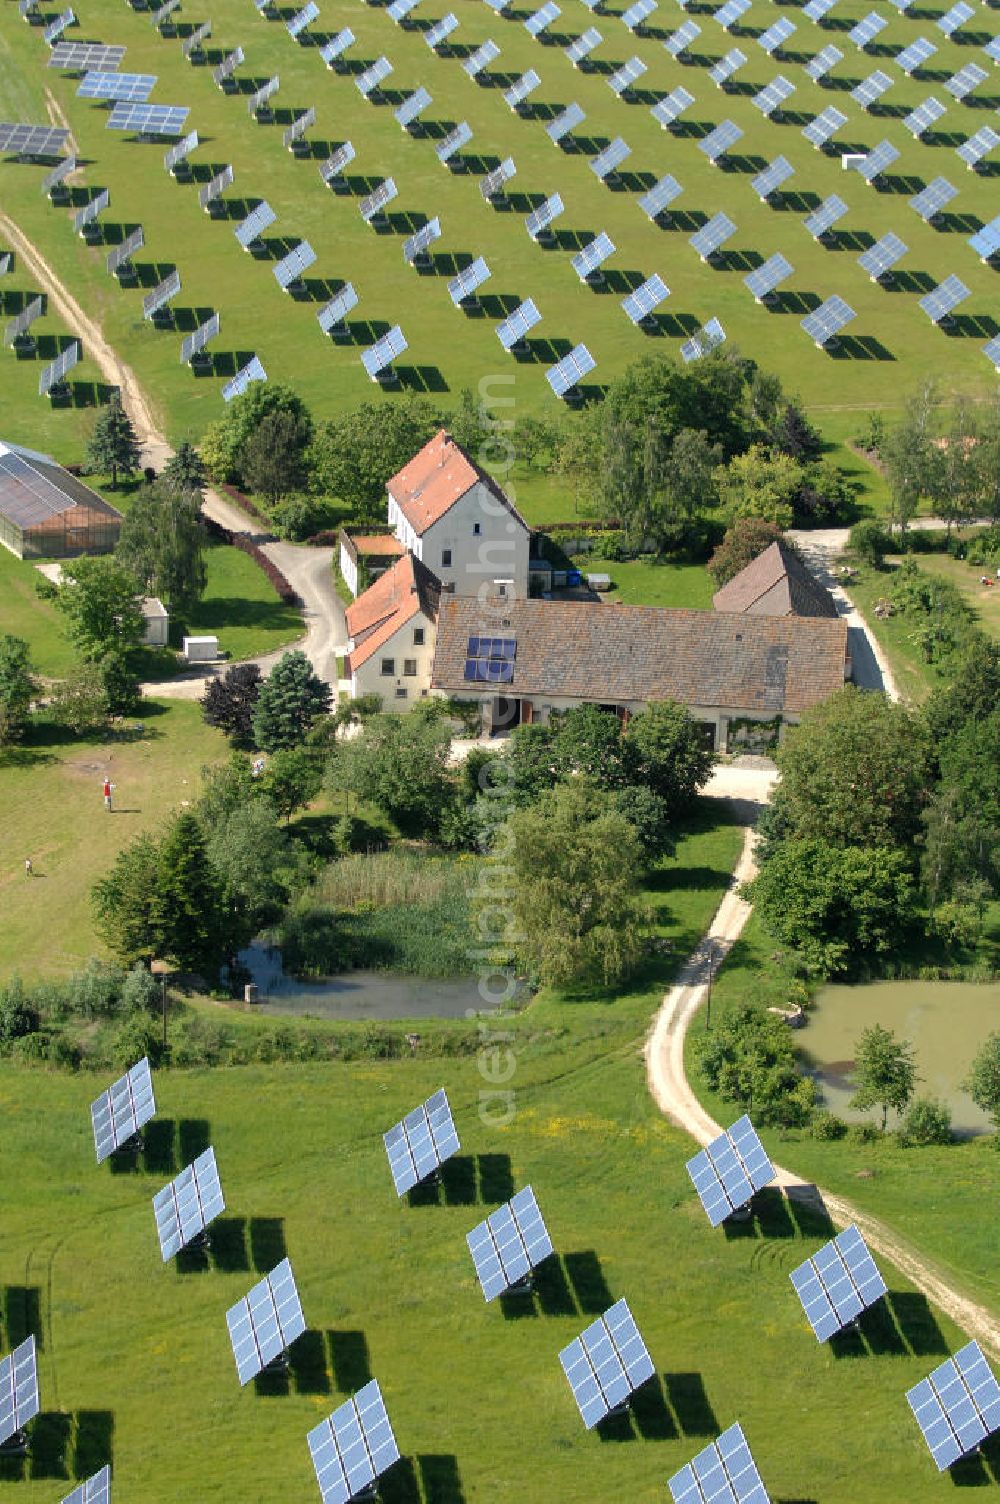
(453, 142)
(418, 1145)
(660, 196)
(298, 127)
(353, 1447)
(878, 160)
(215, 186)
(416, 246)
(836, 1284)
(567, 373)
(606, 1364)
(773, 96)
(228, 66)
(517, 325)
(19, 325)
(95, 1490)
(121, 255)
(871, 89)
(955, 17)
(584, 45)
(91, 209)
(992, 351)
(978, 146)
(627, 76)
(177, 154)
(289, 269)
(720, 140)
(185, 1207)
(334, 165)
(260, 99)
(542, 18)
(303, 18)
(118, 1114)
(372, 78)
(332, 315)
(252, 371)
(943, 299)
(727, 66)
(337, 46)
(511, 1242)
(193, 345)
(148, 119)
(826, 321)
(588, 261)
(441, 31)
(644, 301)
(85, 55)
(708, 338)
(774, 38)
(957, 1406)
(519, 90)
(924, 116)
(161, 295)
(712, 235)
(55, 29)
(253, 227)
(867, 29)
(607, 162)
(668, 110)
(763, 280)
(54, 374)
(567, 120)
(932, 199)
(882, 256)
(825, 126)
(465, 286)
(266, 1322)
(373, 205)
(986, 242)
(412, 106)
(193, 44)
(490, 660)
(97, 85)
(724, 1473)
(730, 1170)
(916, 55)
(636, 15)
(33, 140)
(820, 65)
(962, 83)
(729, 14)
(477, 61)
(679, 41)
(539, 220)
(493, 183)
(19, 1400)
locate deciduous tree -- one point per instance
(162, 542)
(80, 701)
(667, 751)
(983, 1080)
(98, 598)
(229, 703)
(357, 452)
(744, 540)
(274, 460)
(17, 688)
(225, 442)
(884, 1072)
(760, 483)
(400, 764)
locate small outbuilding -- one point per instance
(156, 617)
(46, 512)
(776, 583)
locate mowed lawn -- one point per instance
(135, 1364)
(242, 607)
(24, 614)
(891, 343)
(53, 812)
(984, 600)
(650, 582)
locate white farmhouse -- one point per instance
(391, 634)
(452, 515)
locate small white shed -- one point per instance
(201, 649)
(156, 619)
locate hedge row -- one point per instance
(245, 544)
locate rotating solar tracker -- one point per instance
(924, 116)
(540, 220)
(773, 95)
(302, 18)
(6, 262)
(97, 85)
(916, 55)
(606, 1364)
(91, 209)
(958, 1406)
(730, 1170)
(265, 1323)
(584, 45)
(767, 183)
(148, 119)
(54, 374)
(986, 242)
(660, 196)
(463, 288)
(185, 1207)
(567, 120)
(606, 164)
(837, 1283)
(929, 202)
(820, 65)
(96, 1489)
(371, 207)
(519, 90)
(245, 376)
(412, 107)
(296, 131)
(417, 245)
(121, 255)
(55, 29)
(260, 100)
(19, 325)
(163, 13)
(880, 258)
(669, 109)
(587, 262)
(715, 145)
(353, 1447)
(228, 66)
(195, 343)
(825, 126)
(992, 49)
(764, 280)
(627, 76)
(193, 44)
(161, 295)
(955, 17)
(724, 1473)
(680, 40)
(453, 142)
(511, 333)
(334, 165)
(32, 140)
(729, 14)
(941, 301)
(712, 236)
(400, 9)
(565, 376)
(776, 35)
(877, 161)
(336, 46)
(638, 14)
(477, 61)
(642, 304)
(173, 158)
(962, 83)
(288, 271)
(826, 321)
(542, 18)
(992, 352)
(441, 31)
(511, 1242)
(817, 9)
(978, 146)
(370, 81)
(492, 185)
(334, 314)
(419, 1145)
(727, 66)
(57, 177)
(85, 55)
(871, 89)
(215, 187)
(867, 29)
(708, 338)
(19, 1401)
(118, 1114)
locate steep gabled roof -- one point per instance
(440, 474)
(610, 654)
(404, 591)
(776, 583)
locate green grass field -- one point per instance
(984, 600)
(892, 344)
(24, 614)
(648, 582)
(242, 607)
(54, 813)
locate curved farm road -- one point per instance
(308, 570)
(673, 1095)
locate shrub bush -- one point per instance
(870, 542)
(864, 1133)
(96, 992)
(17, 1015)
(827, 1126)
(134, 1038)
(927, 1121)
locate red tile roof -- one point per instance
(437, 476)
(394, 599)
(776, 583)
(602, 653)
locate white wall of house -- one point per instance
(477, 542)
(400, 670)
(349, 568)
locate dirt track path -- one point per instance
(674, 1096)
(307, 569)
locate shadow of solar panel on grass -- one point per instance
(847, 240)
(151, 273)
(426, 1479)
(769, 1218)
(67, 1445)
(350, 1360)
(807, 1207)
(970, 326)
(858, 347)
(22, 1316)
(981, 1469)
(891, 183)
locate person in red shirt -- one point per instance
(108, 790)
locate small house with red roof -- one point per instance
(454, 517)
(391, 635)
